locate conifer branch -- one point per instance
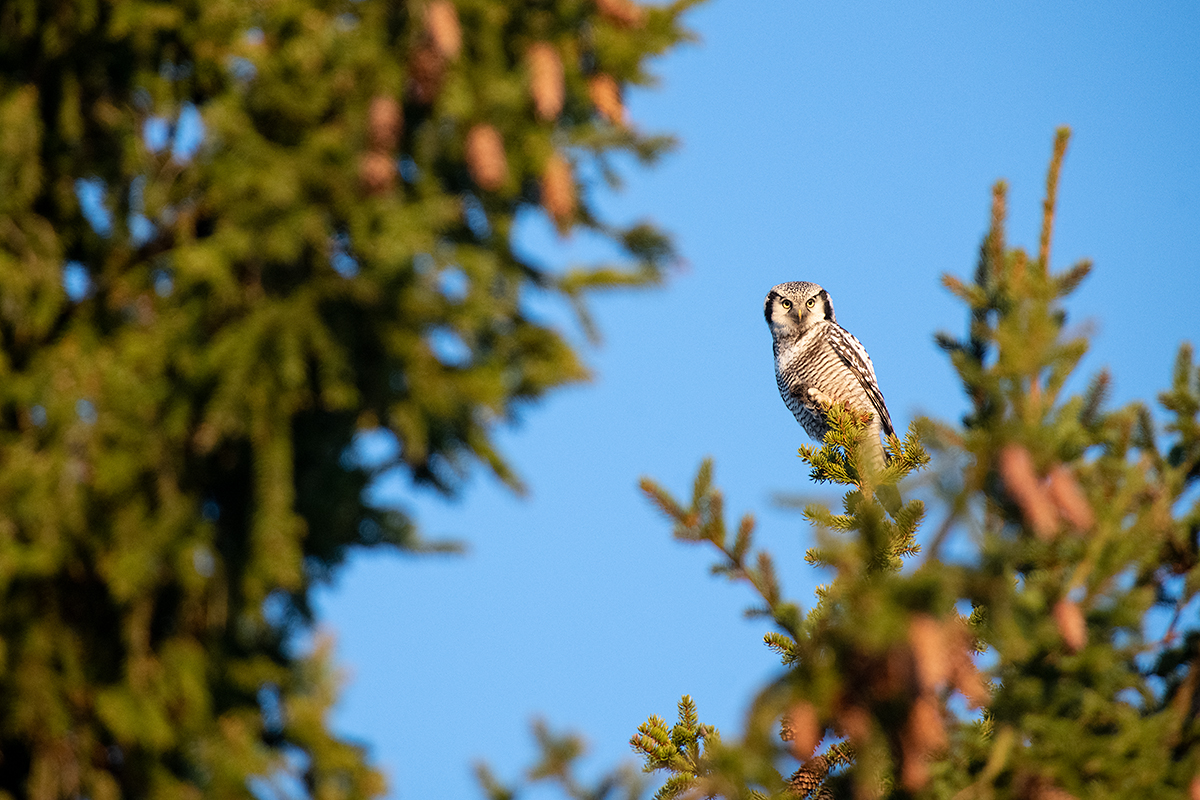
(1062, 136)
(683, 750)
(704, 522)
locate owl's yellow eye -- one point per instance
(812, 301)
(785, 303)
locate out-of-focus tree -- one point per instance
(234, 235)
(1056, 656)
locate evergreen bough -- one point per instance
(233, 236)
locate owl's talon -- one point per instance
(820, 398)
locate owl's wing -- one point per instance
(854, 356)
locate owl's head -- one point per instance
(795, 306)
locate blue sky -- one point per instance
(853, 147)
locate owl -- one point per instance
(818, 363)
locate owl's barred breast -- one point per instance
(811, 363)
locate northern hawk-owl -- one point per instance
(819, 363)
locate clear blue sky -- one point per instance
(853, 147)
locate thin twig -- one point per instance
(1060, 148)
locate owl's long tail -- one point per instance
(887, 493)
(889, 497)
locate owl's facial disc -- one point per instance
(817, 308)
(780, 312)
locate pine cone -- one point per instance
(623, 12)
(377, 172)
(1021, 481)
(810, 778)
(1071, 625)
(558, 192)
(441, 23)
(485, 157)
(802, 727)
(545, 80)
(606, 97)
(385, 121)
(1069, 499)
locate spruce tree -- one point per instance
(1029, 670)
(193, 330)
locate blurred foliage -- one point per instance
(233, 235)
(1059, 658)
(556, 770)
